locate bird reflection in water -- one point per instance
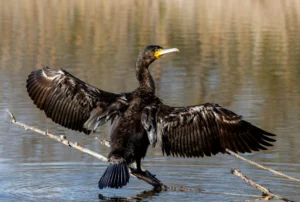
(138, 197)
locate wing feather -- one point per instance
(207, 130)
(69, 101)
(197, 141)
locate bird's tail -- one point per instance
(116, 175)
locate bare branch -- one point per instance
(61, 139)
(262, 167)
(257, 186)
(149, 178)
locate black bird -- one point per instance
(140, 118)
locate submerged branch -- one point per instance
(264, 190)
(262, 167)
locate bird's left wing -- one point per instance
(206, 129)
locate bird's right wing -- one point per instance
(71, 102)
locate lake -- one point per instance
(243, 55)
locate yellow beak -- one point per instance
(161, 52)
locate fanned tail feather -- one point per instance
(116, 175)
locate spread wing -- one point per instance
(207, 129)
(71, 102)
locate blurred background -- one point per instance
(243, 55)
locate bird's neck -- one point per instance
(144, 77)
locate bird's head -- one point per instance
(151, 52)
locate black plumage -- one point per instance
(140, 119)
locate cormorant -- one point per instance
(140, 118)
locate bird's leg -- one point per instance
(139, 170)
(138, 165)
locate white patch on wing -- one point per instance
(196, 109)
(196, 119)
(52, 75)
(233, 119)
(72, 81)
(61, 71)
(203, 115)
(217, 115)
(181, 119)
(123, 100)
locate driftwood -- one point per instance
(148, 177)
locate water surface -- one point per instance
(244, 56)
